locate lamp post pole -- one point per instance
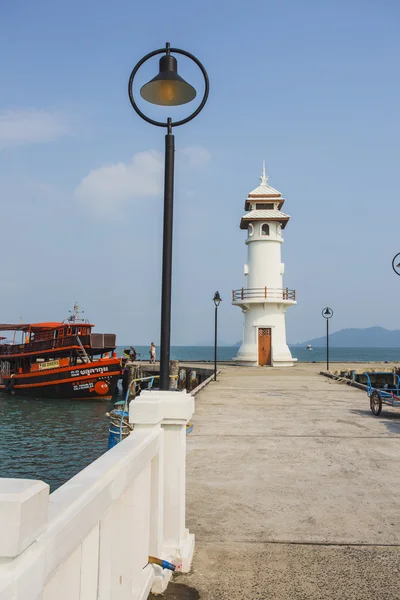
(327, 344)
(215, 343)
(217, 300)
(167, 89)
(166, 285)
(327, 313)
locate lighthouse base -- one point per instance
(250, 359)
(264, 338)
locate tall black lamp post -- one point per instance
(217, 301)
(167, 89)
(327, 313)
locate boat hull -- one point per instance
(91, 381)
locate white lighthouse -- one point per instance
(264, 300)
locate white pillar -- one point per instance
(176, 536)
(172, 409)
(23, 514)
(23, 518)
(146, 412)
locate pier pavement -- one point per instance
(293, 490)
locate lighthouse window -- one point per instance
(265, 207)
(251, 229)
(265, 229)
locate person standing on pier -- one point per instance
(152, 353)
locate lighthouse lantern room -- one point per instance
(264, 300)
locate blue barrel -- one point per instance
(114, 432)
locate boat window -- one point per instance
(69, 331)
(265, 229)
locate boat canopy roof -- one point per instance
(40, 326)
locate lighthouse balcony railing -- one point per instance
(265, 293)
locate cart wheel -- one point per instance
(376, 403)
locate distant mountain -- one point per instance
(371, 337)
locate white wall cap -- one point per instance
(178, 410)
(163, 394)
(23, 514)
(146, 410)
(153, 406)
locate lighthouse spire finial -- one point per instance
(263, 177)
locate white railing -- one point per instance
(91, 538)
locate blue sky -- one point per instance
(311, 87)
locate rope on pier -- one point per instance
(120, 427)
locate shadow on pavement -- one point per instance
(390, 417)
(178, 591)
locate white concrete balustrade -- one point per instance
(91, 538)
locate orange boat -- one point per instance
(59, 360)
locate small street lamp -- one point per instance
(217, 301)
(396, 264)
(327, 313)
(167, 89)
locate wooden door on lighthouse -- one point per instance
(264, 346)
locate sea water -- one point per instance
(52, 440)
(227, 353)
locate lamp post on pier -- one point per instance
(327, 313)
(167, 89)
(217, 301)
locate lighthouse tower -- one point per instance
(264, 300)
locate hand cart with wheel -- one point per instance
(383, 388)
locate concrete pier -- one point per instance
(293, 490)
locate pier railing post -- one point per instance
(23, 518)
(173, 409)
(23, 514)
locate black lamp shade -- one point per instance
(168, 88)
(217, 299)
